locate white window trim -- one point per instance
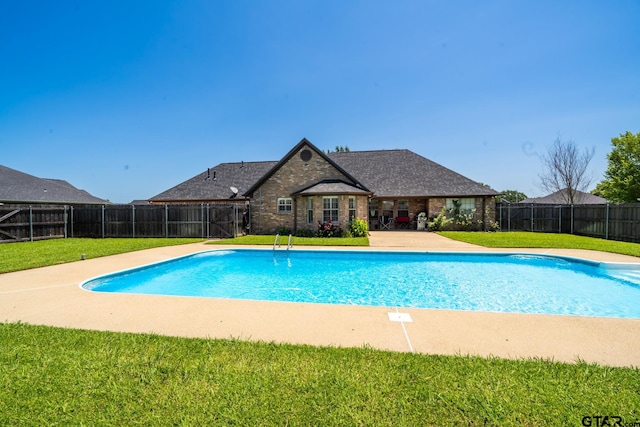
(331, 208)
(283, 203)
(468, 204)
(353, 207)
(310, 210)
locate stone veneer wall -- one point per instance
(295, 174)
(362, 203)
(435, 206)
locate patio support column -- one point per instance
(294, 209)
(484, 214)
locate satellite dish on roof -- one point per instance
(234, 190)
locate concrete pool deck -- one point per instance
(52, 296)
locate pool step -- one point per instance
(629, 275)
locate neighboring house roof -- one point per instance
(385, 173)
(403, 173)
(216, 182)
(19, 187)
(561, 197)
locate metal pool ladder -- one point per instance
(277, 242)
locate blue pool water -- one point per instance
(458, 281)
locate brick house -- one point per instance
(388, 188)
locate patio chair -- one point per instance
(403, 221)
(385, 222)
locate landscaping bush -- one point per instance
(455, 220)
(328, 229)
(358, 228)
(441, 222)
(283, 231)
(304, 233)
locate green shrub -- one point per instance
(328, 229)
(441, 222)
(304, 233)
(456, 220)
(358, 228)
(283, 231)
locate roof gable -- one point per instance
(331, 186)
(299, 149)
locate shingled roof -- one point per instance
(403, 173)
(385, 173)
(561, 197)
(216, 182)
(19, 187)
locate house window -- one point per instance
(330, 209)
(310, 210)
(461, 205)
(285, 205)
(373, 208)
(387, 208)
(403, 208)
(352, 207)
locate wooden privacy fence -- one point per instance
(612, 221)
(21, 222)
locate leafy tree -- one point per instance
(513, 196)
(565, 168)
(340, 149)
(622, 177)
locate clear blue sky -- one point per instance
(126, 99)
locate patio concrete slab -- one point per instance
(51, 296)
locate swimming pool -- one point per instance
(495, 282)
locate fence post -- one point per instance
(166, 221)
(133, 221)
(235, 220)
(606, 226)
(532, 225)
(208, 221)
(572, 219)
(65, 221)
(102, 221)
(71, 220)
(559, 218)
(202, 220)
(30, 223)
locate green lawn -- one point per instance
(24, 255)
(295, 241)
(54, 376)
(517, 239)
